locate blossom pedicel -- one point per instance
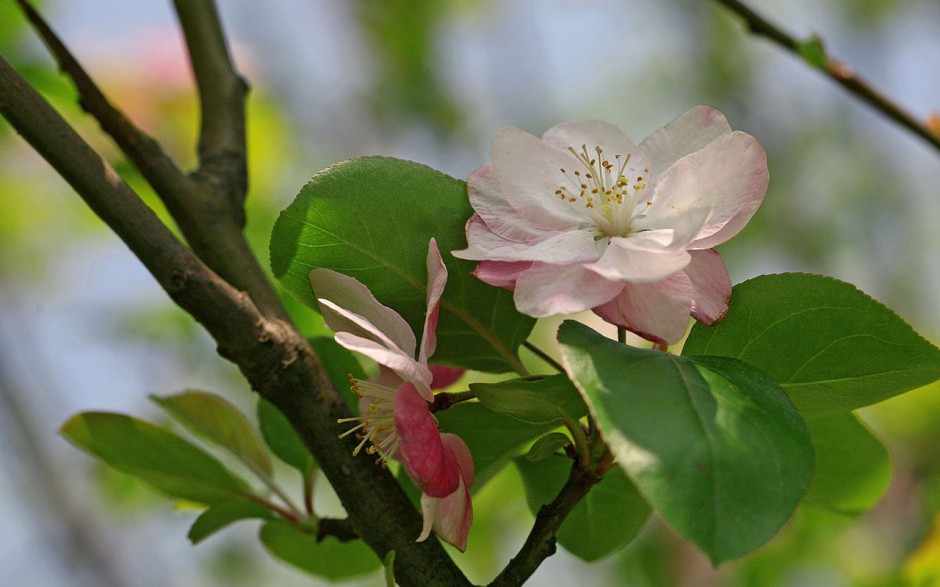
(396, 420)
(585, 219)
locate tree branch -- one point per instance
(340, 529)
(202, 212)
(540, 544)
(222, 151)
(271, 354)
(837, 71)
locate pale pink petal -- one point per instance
(689, 132)
(711, 286)
(529, 172)
(437, 279)
(430, 463)
(354, 324)
(546, 290)
(595, 133)
(429, 512)
(501, 273)
(552, 247)
(491, 206)
(637, 260)
(356, 298)
(453, 514)
(729, 176)
(656, 311)
(444, 376)
(403, 365)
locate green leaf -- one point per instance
(494, 439)
(605, 520)
(372, 218)
(813, 52)
(216, 420)
(329, 558)
(282, 439)
(537, 401)
(159, 458)
(221, 515)
(712, 443)
(831, 347)
(853, 469)
(339, 364)
(547, 446)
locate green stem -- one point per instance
(544, 356)
(621, 335)
(581, 444)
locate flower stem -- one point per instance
(442, 401)
(580, 442)
(621, 335)
(544, 356)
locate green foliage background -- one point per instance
(851, 196)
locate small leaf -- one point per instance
(328, 558)
(159, 458)
(221, 515)
(605, 520)
(712, 443)
(547, 446)
(852, 467)
(494, 439)
(216, 420)
(282, 439)
(372, 218)
(813, 52)
(537, 401)
(829, 346)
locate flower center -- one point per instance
(376, 425)
(608, 190)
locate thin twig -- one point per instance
(544, 356)
(540, 544)
(834, 69)
(201, 210)
(275, 359)
(222, 150)
(445, 400)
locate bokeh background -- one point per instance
(83, 326)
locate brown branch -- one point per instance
(271, 354)
(540, 544)
(834, 69)
(211, 225)
(341, 529)
(222, 151)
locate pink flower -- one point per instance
(585, 219)
(396, 419)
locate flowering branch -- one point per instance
(813, 53)
(272, 355)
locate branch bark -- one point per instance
(835, 70)
(271, 354)
(210, 217)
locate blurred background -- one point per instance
(84, 327)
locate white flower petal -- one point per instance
(711, 286)
(639, 260)
(437, 279)
(356, 299)
(491, 206)
(404, 365)
(529, 172)
(656, 311)
(546, 290)
(689, 132)
(729, 176)
(553, 247)
(593, 133)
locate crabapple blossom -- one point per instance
(396, 420)
(583, 218)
